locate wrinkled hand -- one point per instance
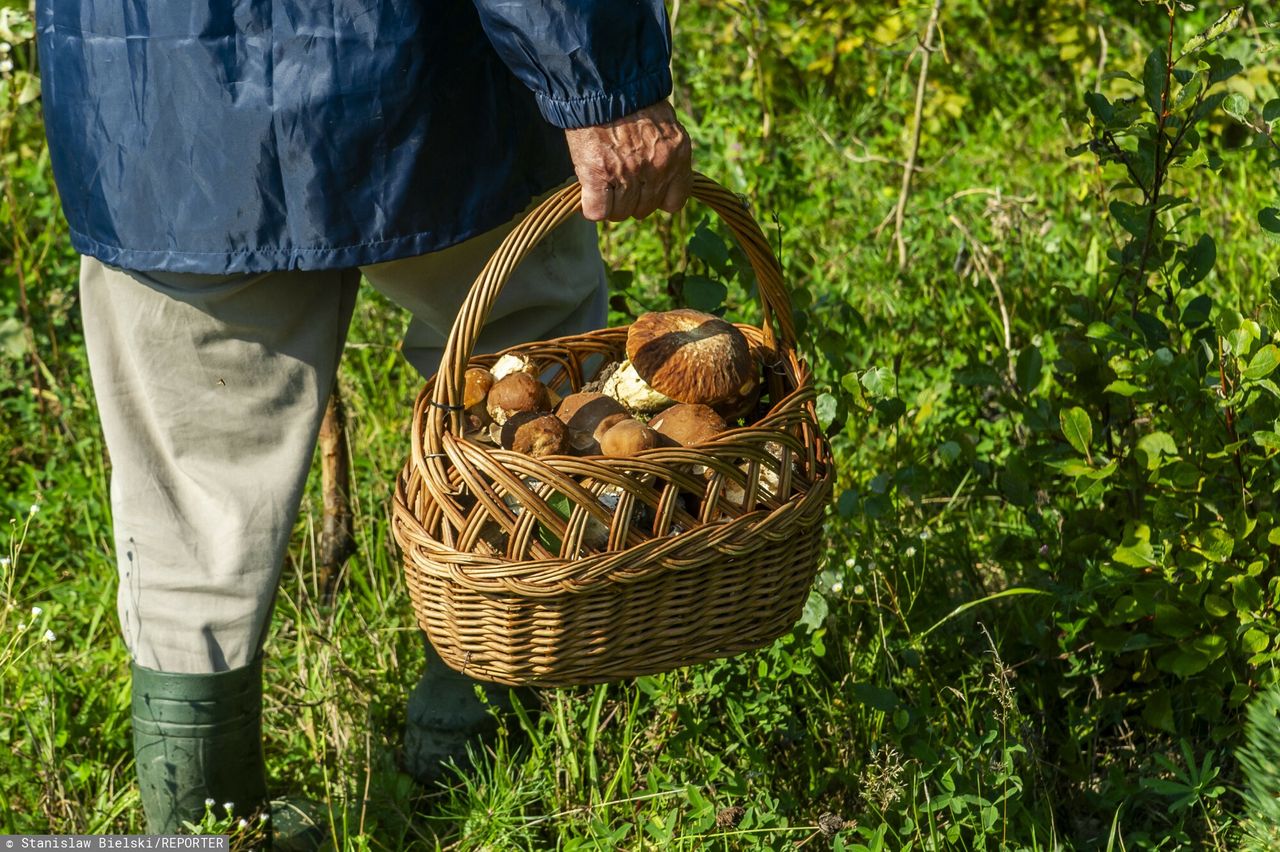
(633, 166)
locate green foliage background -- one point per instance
(1050, 588)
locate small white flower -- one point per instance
(837, 587)
(208, 803)
(5, 47)
(35, 611)
(228, 806)
(244, 823)
(35, 507)
(910, 551)
(5, 67)
(850, 562)
(49, 636)
(4, 562)
(262, 817)
(22, 625)
(859, 590)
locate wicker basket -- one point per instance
(567, 570)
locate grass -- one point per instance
(924, 701)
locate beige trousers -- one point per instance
(211, 390)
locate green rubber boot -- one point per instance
(444, 716)
(198, 738)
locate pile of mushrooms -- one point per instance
(685, 372)
(687, 375)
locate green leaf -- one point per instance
(1183, 662)
(1197, 261)
(1271, 111)
(827, 406)
(1266, 440)
(1255, 641)
(1077, 428)
(1123, 388)
(879, 381)
(1029, 368)
(1153, 73)
(1131, 217)
(1222, 68)
(1263, 362)
(1216, 545)
(1269, 219)
(1196, 313)
(815, 610)
(1225, 23)
(1100, 107)
(1236, 106)
(1136, 550)
(707, 246)
(1156, 445)
(876, 697)
(853, 387)
(703, 294)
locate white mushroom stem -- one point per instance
(626, 386)
(509, 364)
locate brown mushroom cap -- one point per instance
(688, 424)
(535, 434)
(476, 385)
(691, 356)
(516, 393)
(628, 437)
(582, 411)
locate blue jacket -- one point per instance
(254, 135)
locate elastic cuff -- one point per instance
(603, 107)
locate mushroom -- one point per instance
(628, 437)
(515, 393)
(685, 356)
(508, 364)
(535, 434)
(588, 416)
(475, 390)
(688, 424)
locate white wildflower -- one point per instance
(35, 507)
(35, 611)
(49, 636)
(837, 587)
(859, 590)
(22, 625)
(4, 562)
(910, 551)
(5, 47)
(244, 823)
(5, 67)
(228, 807)
(208, 803)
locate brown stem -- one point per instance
(336, 542)
(1157, 181)
(899, 213)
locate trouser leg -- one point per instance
(560, 289)
(210, 390)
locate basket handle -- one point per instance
(540, 222)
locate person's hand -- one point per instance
(633, 166)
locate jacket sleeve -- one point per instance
(587, 61)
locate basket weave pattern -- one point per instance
(570, 570)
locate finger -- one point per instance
(652, 192)
(625, 197)
(596, 200)
(678, 191)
